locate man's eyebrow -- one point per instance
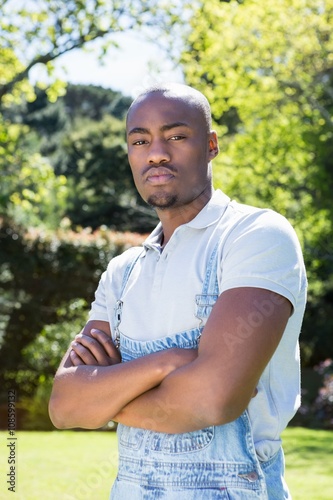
(170, 126)
(164, 128)
(139, 130)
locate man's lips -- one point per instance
(158, 175)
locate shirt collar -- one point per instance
(154, 239)
(210, 214)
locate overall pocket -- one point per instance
(182, 443)
(130, 437)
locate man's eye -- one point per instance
(177, 137)
(139, 143)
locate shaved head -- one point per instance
(177, 91)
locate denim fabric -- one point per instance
(209, 464)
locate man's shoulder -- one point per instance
(260, 216)
(256, 228)
(126, 258)
(118, 264)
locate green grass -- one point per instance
(61, 465)
(309, 463)
(66, 465)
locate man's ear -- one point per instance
(213, 145)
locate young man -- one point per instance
(192, 341)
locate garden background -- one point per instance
(67, 199)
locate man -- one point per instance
(192, 341)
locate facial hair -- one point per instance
(162, 201)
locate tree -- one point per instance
(267, 70)
(30, 191)
(92, 101)
(40, 32)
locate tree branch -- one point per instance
(45, 58)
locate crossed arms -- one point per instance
(175, 390)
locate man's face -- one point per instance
(169, 151)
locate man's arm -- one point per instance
(215, 388)
(91, 386)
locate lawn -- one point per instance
(66, 465)
(309, 463)
(61, 465)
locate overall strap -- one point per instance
(130, 266)
(119, 303)
(210, 288)
(210, 285)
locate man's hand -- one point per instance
(92, 386)
(94, 348)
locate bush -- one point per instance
(47, 281)
(317, 397)
(36, 415)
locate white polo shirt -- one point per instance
(257, 247)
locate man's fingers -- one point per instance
(106, 342)
(93, 352)
(76, 360)
(83, 352)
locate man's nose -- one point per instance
(158, 153)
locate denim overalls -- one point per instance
(209, 464)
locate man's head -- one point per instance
(170, 145)
(181, 92)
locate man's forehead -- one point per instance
(170, 98)
(173, 105)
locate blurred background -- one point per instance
(68, 72)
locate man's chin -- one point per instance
(162, 202)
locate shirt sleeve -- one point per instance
(98, 309)
(110, 286)
(263, 251)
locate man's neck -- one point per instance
(177, 216)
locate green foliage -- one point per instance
(267, 70)
(317, 397)
(91, 101)
(41, 359)
(10, 66)
(29, 190)
(43, 355)
(38, 33)
(35, 407)
(40, 196)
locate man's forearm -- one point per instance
(177, 405)
(90, 396)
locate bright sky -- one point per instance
(129, 69)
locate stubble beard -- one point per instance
(162, 201)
